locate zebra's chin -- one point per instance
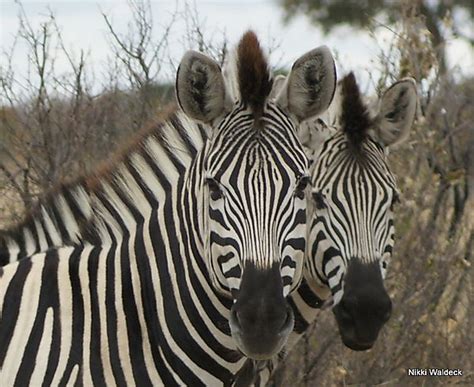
(356, 346)
(261, 344)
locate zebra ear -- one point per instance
(200, 87)
(397, 112)
(311, 84)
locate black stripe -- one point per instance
(112, 330)
(308, 296)
(300, 323)
(48, 298)
(95, 359)
(11, 306)
(78, 313)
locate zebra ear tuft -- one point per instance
(311, 84)
(200, 87)
(397, 112)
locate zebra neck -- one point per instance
(192, 202)
(87, 208)
(315, 288)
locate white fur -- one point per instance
(310, 86)
(401, 99)
(200, 79)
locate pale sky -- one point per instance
(83, 27)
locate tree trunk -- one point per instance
(437, 38)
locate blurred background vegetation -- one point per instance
(430, 278)
(56, 126)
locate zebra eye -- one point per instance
(318, 199)
(214, 188)
(301, 186)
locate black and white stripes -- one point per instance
(351, 229)
(352, 203)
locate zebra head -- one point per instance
(351, 232)
(254, 180)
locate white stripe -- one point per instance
(104, 337)
(8, 273)
(65, 313)
(68, 218)
(43, 244)
(86, 298)
(43, 352)
(51, 228)
(30, 245)
(26, 318)
(159, 155)
(13, 249)
(74, 375)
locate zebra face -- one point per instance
(256, 180)
(253, 184)
(352, 235)
(352, 211)
(351, 232)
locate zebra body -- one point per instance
(122, 298)
(131, 333)
(180, 268)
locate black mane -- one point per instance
(355, 119)
(255, 81)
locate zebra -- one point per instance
(183, 273)
(62, 215)
(351, 226)
(307, 300)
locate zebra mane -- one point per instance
(166, 129)
(355, 119)
(171, 140)
(254, 78)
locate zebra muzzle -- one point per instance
(261, 319)
(263, 339)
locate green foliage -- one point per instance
(361, 14)
(330, 14)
